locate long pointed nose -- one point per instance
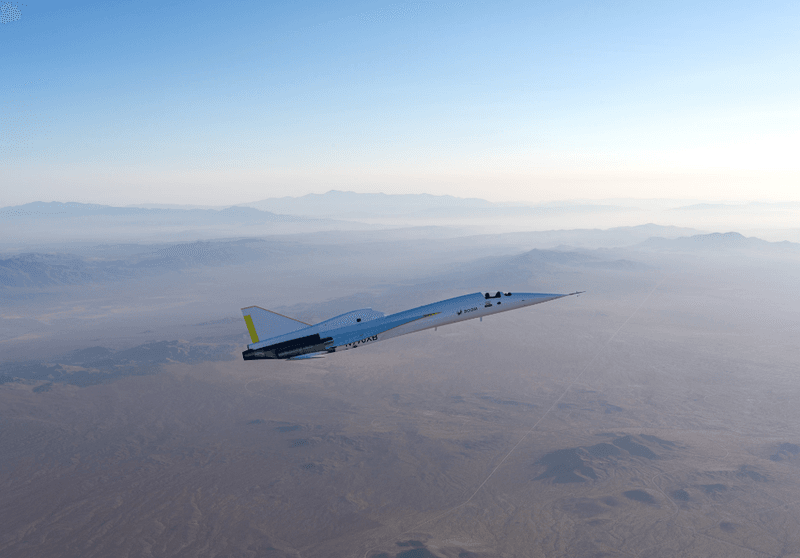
(540, 297)
(536, 298)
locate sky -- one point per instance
(231, 102)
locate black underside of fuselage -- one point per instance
(288, 349)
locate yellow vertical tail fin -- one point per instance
(263, 324)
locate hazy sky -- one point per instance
(229, 102)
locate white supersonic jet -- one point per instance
(276, 336)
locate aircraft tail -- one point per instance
(263, 324)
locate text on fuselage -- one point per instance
(362, 341)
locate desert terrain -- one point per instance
(654, 415)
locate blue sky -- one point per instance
(229, 102)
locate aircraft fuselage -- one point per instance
(361, 327)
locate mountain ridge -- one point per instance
(717, 241)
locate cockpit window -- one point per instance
(498, 294)
(508, 294)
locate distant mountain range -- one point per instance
(39, 222)
(588, 238)
(718, 242)
(356, 205)
(336, 202)
(69, 210)
(332, 211)
(745, 207)
(581, 223)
